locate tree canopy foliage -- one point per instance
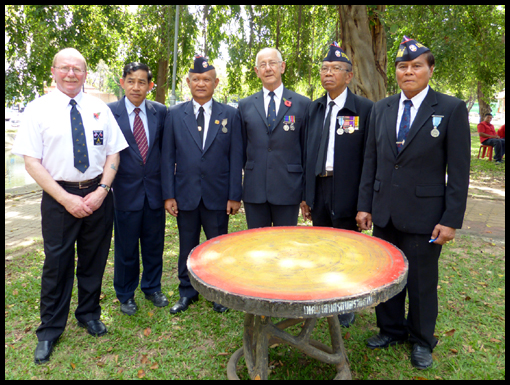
(468, 42)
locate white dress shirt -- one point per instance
(417, 100)
(278, 95)
(45, 133)
(130, 107)
(207, 115)
(339, 105)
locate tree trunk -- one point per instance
(162, 80)
(367, 50)
(485, 108)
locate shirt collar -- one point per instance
(417, 99)
(339, 100)
(65, 99)
(207, 106)
(130, 107)
(278, 92)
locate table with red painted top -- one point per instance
(299, 273)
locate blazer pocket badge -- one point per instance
(288, 122)
(224, 126)
(347, 124)
(98, 137)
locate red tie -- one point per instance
(140, 137)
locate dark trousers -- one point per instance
(322, 212)
(143, 229)
(499, 147)
(421, 287)
(267, 214)
(92, 236)
(189, 223)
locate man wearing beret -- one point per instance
(337, 126)
(272, 122)
(414, 138)
(201, 169)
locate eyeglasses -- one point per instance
(65, 70)
(334, 69)
(272, 64)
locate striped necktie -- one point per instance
(140, 136)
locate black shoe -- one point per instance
(182, 304)
(95, 327)
(219, 308)
(157, 298)
(421, 357)
(43, 351)
(346, 320)
(382, 341)
(129, 307)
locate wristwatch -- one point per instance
(107, 188)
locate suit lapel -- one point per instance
(212, 131)
(152, 121)
(422, 116)
(259, 105)
(283, 108)
(191, 124)
(123, 120)
(391, 123)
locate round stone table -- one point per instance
(300, 273)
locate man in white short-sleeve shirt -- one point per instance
(70, 142)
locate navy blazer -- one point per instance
(190, 173)
(274, 161)
(348, 155)
(411, 187)
(134, 180)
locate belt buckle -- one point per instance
(84, 185)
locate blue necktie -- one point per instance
(405, 125)
(81, 159)
(271, 112)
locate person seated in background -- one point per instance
(488, 137)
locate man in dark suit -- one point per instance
(139, 211)
(337, 126)
(201, 169)
(414, 138)
(274, 143)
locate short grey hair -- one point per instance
(278, 53)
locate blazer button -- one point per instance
(269, 149)
(202, 176)
(396, 167)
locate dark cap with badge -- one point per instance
(410, 49)
(336, 53)
(200, 65)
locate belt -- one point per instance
(82, 185)
(328, 173)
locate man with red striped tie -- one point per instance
(139, 208)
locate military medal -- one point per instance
(436, 121)
(340, 131)
(288, 122)
(224, 124)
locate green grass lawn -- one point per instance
(153, 344)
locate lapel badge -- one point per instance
(288, 103)
(216, 122)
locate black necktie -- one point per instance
(81, 158)
(201, 124)
(320, 166)
(271, 112)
